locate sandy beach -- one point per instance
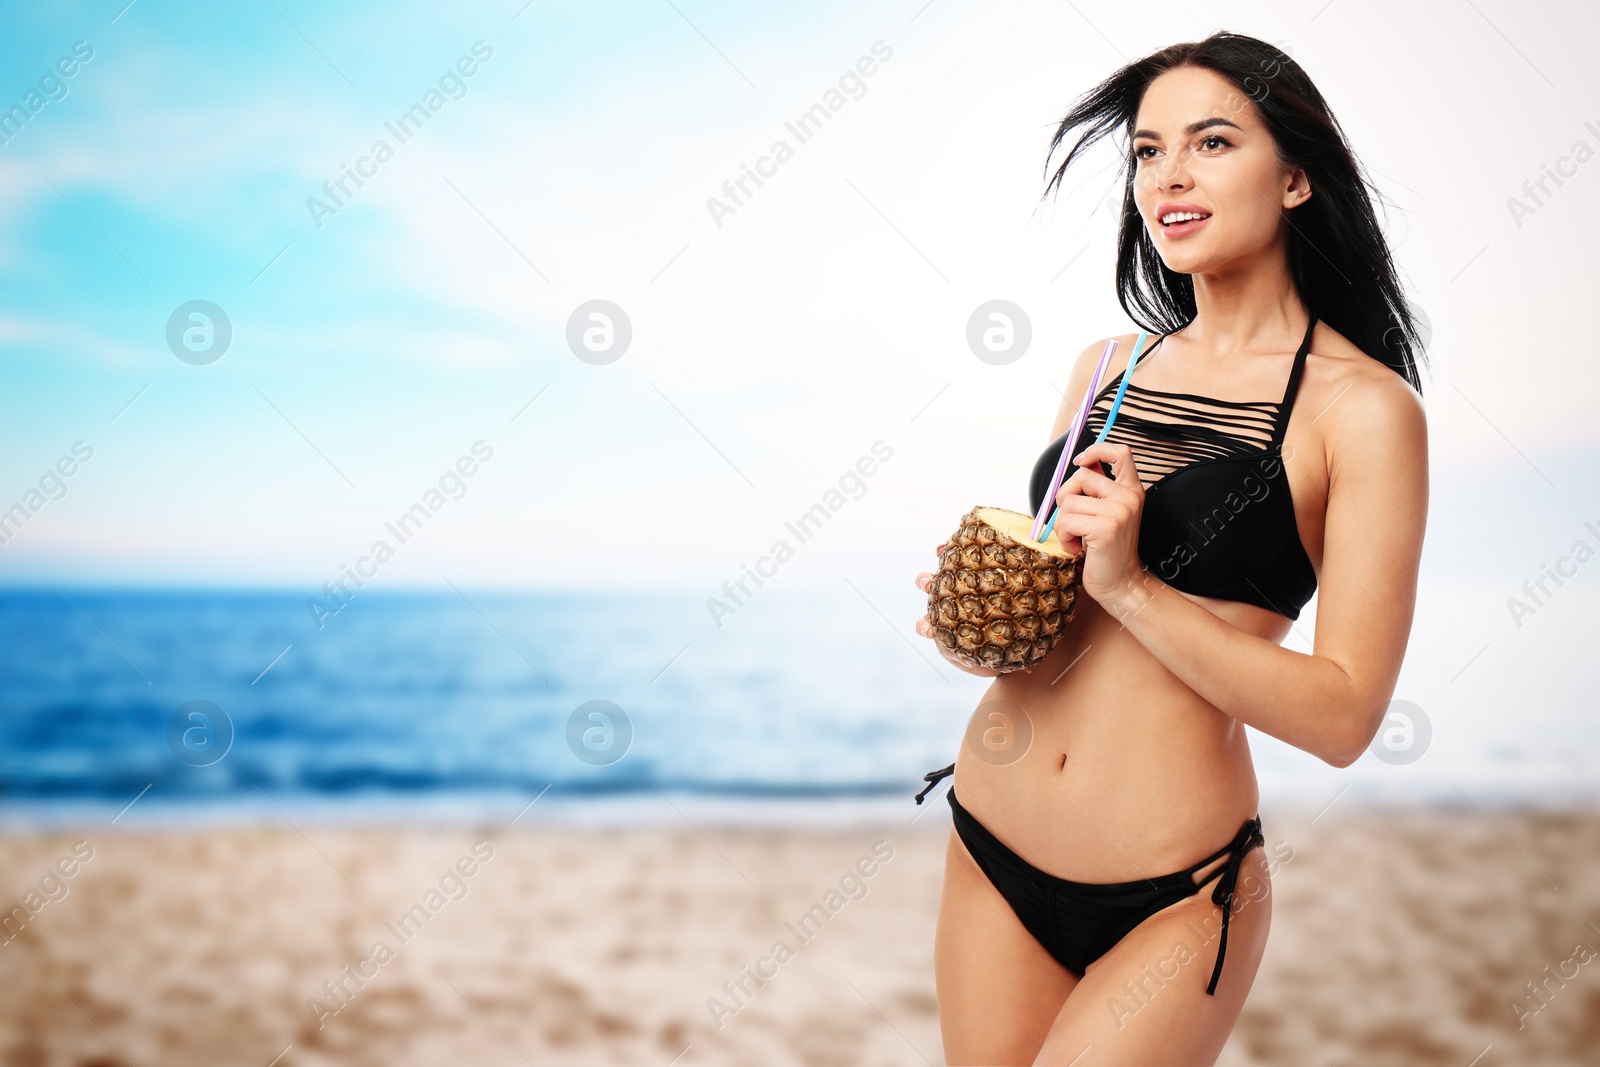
(1399, 938)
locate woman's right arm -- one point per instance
(1078, 381)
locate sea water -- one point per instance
(803, 706)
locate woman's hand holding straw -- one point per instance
(1111, 416)
(1072, 438)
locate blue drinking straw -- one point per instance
(1079, 420)
(1111, 416)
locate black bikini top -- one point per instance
(1218, 517)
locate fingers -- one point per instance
(1091, 493)
(1088, 483)
(1125, 472)
(1068, 532)
(923, 581)
(925, 577)
(1089, 517)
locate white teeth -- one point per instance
(1182, 216)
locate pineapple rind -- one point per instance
(998, 600)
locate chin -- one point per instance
(1190, 263)
(1192, 257)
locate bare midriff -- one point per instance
(1129, 773)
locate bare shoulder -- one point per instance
(1083, 370)
(1360, 406)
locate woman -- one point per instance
(1272, 439)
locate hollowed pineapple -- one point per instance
(999, 599)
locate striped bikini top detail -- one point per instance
(1218, 515)
(1169, 431)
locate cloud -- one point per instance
(70, 339)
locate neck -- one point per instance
(1251, 308)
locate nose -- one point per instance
(1172, 172)
(1168, 180)
(1172, 168)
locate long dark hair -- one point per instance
(1338, 257)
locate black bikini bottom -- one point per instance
(1078, 922)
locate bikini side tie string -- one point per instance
(933, 778)
(1249, 837)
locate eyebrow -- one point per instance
(1192, 129)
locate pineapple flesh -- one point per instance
(999, 599)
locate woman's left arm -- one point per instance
(1331, 702)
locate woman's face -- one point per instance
(1199, 147)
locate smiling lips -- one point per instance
(1180, 219)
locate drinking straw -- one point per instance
(1072, 435)
(1111, 416)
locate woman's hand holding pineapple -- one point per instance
(927, 631)
(1099, 520)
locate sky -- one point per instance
(414, 344)
(376, 341)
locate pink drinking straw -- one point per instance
(1072, 437)
(1111, 417)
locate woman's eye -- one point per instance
(1215, 137)
(1138, 153)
